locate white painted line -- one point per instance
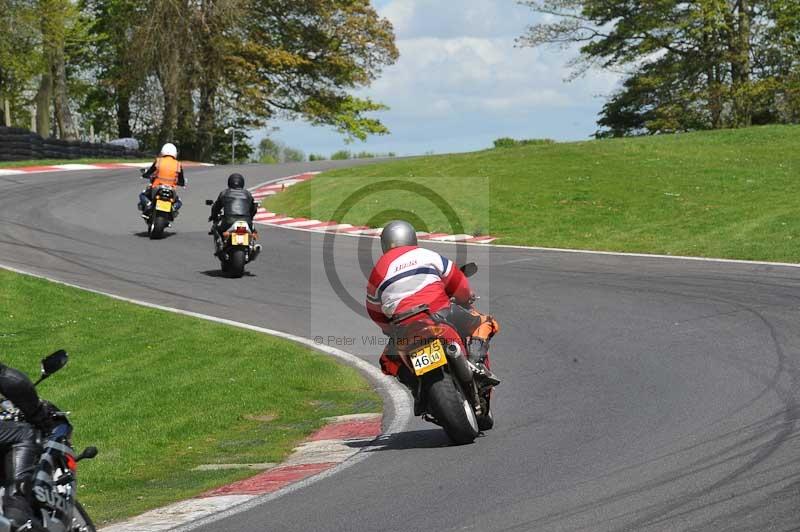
(302, 224)
(337, 227)
(398, 413)
(451, 238)
(10, 172)
(370, 416)
(135, 165)
(321, 451)
(71, 166)
(181, 512)
(275, 220)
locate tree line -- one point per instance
(185, 70)
(702, 64)
(273, 151)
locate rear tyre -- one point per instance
(159, 224)
(81, 522)
(236, 263)
(451, 409)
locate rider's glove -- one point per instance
(47, 417)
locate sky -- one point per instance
(461, 82)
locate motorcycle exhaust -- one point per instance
(256, 251)
(459, 363)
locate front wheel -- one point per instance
(451, 409)
(81, 522)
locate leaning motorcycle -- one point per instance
(237, 246)
(449, 388)
(159, 213)
(53, 498)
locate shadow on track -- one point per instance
(415, 439)
(219, 273)
(145, 234)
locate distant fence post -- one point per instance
(91, 133)
(33, 119)
(7, 112)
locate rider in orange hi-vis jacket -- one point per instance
(165, 171)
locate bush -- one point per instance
(316, 157)
(341, 155)
(508, 142)
(293, 155)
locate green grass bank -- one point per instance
(160, 394)
(729, 194)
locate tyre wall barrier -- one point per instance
(17, 144)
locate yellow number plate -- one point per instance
(428, 358)
(164, 206)
(240, 240)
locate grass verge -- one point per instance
(730, 194)
(159, 393)
(52, 162)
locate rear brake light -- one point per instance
(241, 230)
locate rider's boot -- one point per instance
(217, 242)
(477, 351)
(19, 512)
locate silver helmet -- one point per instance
(398, 233)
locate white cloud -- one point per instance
(473, 73)
(460, 81)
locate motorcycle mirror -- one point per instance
(87, 454)
(52, 363)
(142, 171)
(209, 202)
(469, 269)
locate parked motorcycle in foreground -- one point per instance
(53, 497)
(450, 388)
(236, 246)
(159, 213)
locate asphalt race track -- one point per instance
(639, 393)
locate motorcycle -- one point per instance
(159, 213)
(237, 246)
(450, 389)
(53, 496)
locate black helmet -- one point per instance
(236, 181)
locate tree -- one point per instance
(181, 70)
(19, 55)
(271, 151)
(689, 65)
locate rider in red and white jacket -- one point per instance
(407, 276)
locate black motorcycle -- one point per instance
(235, 247)
(160, 212)
(53, 496)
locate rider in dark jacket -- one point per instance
(233, 204)
(18, 442)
